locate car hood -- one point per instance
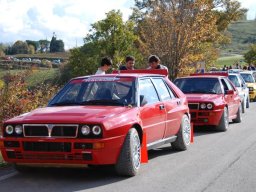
(70, 114)
(203, 97)
(251, 85)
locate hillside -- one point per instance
(243, 34)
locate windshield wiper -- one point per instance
(102, 102)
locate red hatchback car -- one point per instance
(99, 120)
(213, 99)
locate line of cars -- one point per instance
(115, 118)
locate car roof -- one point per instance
(248, 72)
(202, 76)
(135, 75)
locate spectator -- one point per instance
(129, 63)
(105, 65)
(251, 67)
(154, 63)
(225, 68)
(245, 68)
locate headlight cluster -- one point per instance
(13, 130)
(206, 106)
(90, 131)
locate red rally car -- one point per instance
(212, 99)
(99, 120)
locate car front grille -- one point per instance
(193, 105)
(47, 146)
(50, 130)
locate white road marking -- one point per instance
(8, 176)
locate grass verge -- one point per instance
(230, 60)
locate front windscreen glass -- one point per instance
(97, 91)
(199, 85)
(248, 78)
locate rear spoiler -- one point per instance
(211, 73)
(144, 71)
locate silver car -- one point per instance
(243, 90)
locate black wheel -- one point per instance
(243, 106)
(247, 102)
(128, 163)
(238, 118)
(224, 121)
(183, 137)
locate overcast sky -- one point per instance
(69, 19)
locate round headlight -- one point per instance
(203, 106)
(85, 130)
(9, 129)
(209, 106)
(18, 129)
(96, 130)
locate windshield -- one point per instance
(97, 91)
(248, 78)
(199, 85)
(234, 80)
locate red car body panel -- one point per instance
(115, 122)
(201, 117)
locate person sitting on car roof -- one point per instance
(154, 63)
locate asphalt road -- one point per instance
(215, 162)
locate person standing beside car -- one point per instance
(129, 63)
(154, 63)
(105, 65)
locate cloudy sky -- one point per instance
(69, 19)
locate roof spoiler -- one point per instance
(144, 71)
(213, 74)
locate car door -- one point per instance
(152, 113)
(171, 104)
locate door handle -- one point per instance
(161, 107)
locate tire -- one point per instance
(238, 118)
(224, 121)
(183, 137)
(128, 163)
(243, 106)
(247, 102)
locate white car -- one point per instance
(242, 88)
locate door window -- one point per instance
(148, 91)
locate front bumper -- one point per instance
(61, 151)
(206, 117)
(252, 94)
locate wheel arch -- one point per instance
(139, 130)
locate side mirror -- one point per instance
(229, 92)
(143, 101)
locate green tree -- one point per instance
(33, 43)
(250, 56)
(182, 32)
(56, 45)
(109, 37)
(20, 47)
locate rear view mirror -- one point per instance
(143, 100)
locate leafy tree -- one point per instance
(44, 46)
(2, 49)
(182, 32)
(250, 56)
(56, 45)
(20, 47)
(33, 43)
(31, 49)
(109, 37)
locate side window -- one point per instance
(230, 87)
(147, 90)
(161, 89)
(224, 85)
